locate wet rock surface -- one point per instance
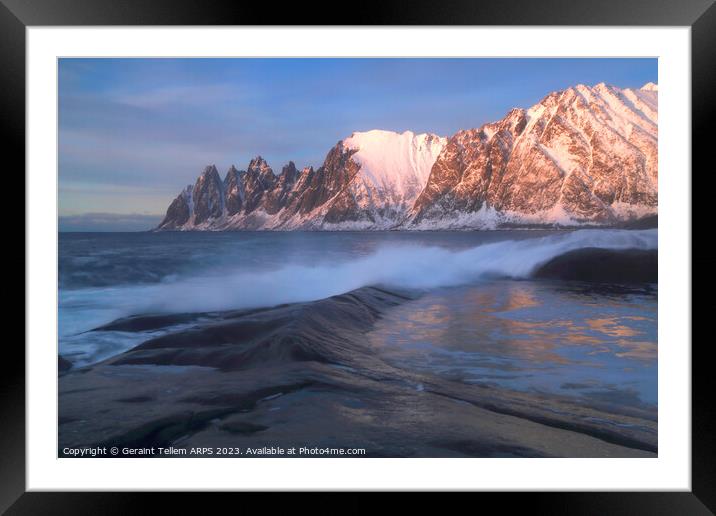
(304, 375)
(603, 266)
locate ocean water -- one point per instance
(479, 317)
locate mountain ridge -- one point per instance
(581, 156)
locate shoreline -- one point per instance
(649, 222)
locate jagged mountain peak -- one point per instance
(232, 176)
(650, 86)
(583, 154)
(288, 172)
(258, 164)
(209, 175)
(233, 172)
(289, 167)
(207, 195)
(209, 170)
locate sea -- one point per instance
(477, 317)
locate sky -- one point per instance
(134, 132)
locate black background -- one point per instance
(15, 15)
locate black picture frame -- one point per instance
(700, 15)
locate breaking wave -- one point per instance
(401, 266)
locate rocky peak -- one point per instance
(304, 178)
(276, 198)
(581, 154)
(179, 211)
(209, 179)
(233, 191)
(209, 174)
(289, 172)
(259, 179)
(208, 195)
(259, 167)
(232, 172)
(337, 170)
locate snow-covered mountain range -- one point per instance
(584, 155)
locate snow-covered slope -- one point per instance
(395, 167)
(582, 155)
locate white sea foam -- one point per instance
(406, 266)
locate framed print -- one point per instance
(419, 252)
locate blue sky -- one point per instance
(133, 132)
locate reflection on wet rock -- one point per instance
(484, 333)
